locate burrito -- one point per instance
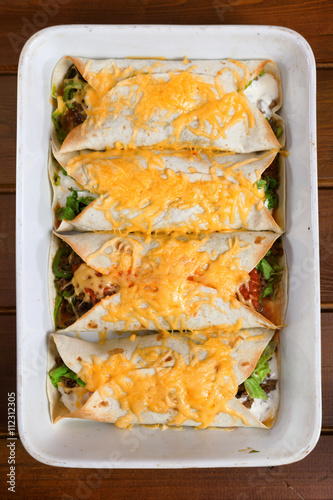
(226, 105)
(165, 191)
(230, 379)
(104, 282)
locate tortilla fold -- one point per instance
(163, 192)
(250, 88)
(199, 306)
(102, 406)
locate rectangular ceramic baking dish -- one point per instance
(91, 444)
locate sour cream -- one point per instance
(70, 399)
(263, 409)
(262, 92)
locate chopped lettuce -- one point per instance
(272, 273)
(259, 374)
(56, 180)
(253, 389)
(269, 186)
(57, 304)
(74, 206)
(58, 271)
(61, 133)
(69, 91)
(278, 132)
(63, 371)
(63, 170)
(62, 295)
(54, 92)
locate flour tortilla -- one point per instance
(238, 138)
(216, 315)
(72, 351)
(94, 219)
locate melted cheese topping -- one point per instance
(167, 282)
(183, 100)
(194, 388)
(86, 280)
(139, 187)
(105, 80)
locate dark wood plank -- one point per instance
(310, 18)
(327, 372)
(7, 365)
(309, 479)
(326, 244)
(7, 250)
(325, 127)
(8, 130)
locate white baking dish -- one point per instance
(91, 444)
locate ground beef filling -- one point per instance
(268, 386)
(75, 113)
(74, 306)
(73, 117)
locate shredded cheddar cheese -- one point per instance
(158, 379)
(167, 282)
(136, 189)
(181, 100)
(85, 280)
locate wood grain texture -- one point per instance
(310, 479)
(7, 250)
(310, 18)
(326, 244)
(8, 130)
(325, 127)
(7, 365)
(327, 372)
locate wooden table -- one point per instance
(310, 479)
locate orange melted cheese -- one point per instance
(102, 82)
(86, 279)
(168, 281)
(139, 183)
(193, 388)
(182, 100)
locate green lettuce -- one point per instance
(272, 273)
(259, 374)
(63, 371)
(74, 206)
(269, 185)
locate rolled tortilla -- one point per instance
(161, 191)
(168, 283)
(249, 91)
(176, 363)
(62, 187)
